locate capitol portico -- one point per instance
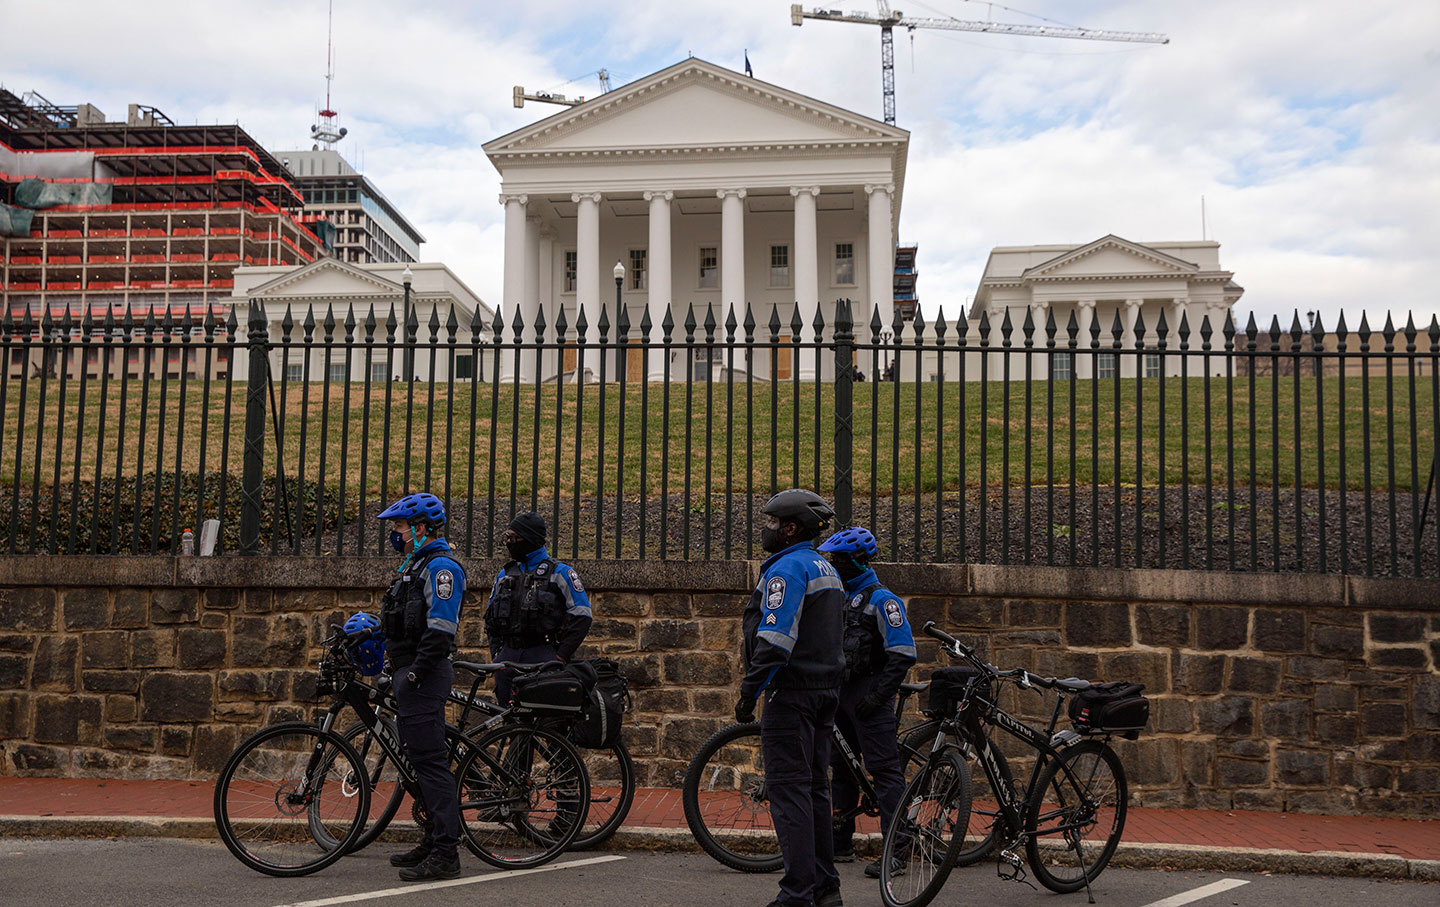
(713, 190)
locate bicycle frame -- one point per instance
(869, 801)
(968, 729)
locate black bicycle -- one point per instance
(296, 796)
(726, 802)
(610, 769)
(1068, 818)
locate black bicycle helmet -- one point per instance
(805, 508)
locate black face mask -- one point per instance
(519, 549)
(770, 540)
(848, 568)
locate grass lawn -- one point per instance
(907, 437)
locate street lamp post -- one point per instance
(406, 277)
(885, 339)
(619, 272)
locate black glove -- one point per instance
(869, 704)
(745, 709)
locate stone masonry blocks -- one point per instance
(1258, 701)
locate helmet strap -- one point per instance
(419, 540)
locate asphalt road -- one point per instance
(176, 873)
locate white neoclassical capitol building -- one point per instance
(711, 189)
(715, 190)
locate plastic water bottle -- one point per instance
(187, 542)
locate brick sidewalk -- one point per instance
(660, 808)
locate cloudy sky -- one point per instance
(1308, 126)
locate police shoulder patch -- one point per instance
(775, 593)
(444, 584)
(855, 602)
(575, 582)
(894, 614)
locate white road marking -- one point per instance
(451, 883)
(1196, 894)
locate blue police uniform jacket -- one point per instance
(441, 582)
(578, 615)
(794, 623)
(889, 642)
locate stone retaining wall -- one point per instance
(1300, 693)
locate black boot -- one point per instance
(433, 867)
(412, 857)
(829, 898)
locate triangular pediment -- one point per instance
(326, 277)
(1110, 256)
(694, 104)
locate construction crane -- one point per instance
(520, 95)
(888, 20)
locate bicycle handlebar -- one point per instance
(1019, 676)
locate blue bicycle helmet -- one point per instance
(855, 541)
(416, 507)
(368, 655)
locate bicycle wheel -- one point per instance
(269, 799)
(985, 825)
(386, 790)
(1075, 815)
(922, 843)
(726, 803)
(524, 796)
(612, 790)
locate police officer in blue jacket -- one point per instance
(879, 651)
(420, 615)
(538, 609)
(793, 626)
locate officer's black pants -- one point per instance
(874, 739)
(795, 730)
(422, 732)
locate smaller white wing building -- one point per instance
(713, 190)
(1097, 282)
(342, 290)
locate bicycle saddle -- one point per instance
(1072, 684)
(914, 687)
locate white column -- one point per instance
(531, 299)
(996, 365)
(545, 292)
(587, 277)
(1128, 362)
(1216, 311)
(513, 301)
(732, 251)
(881, 295)
(1084, 365)
(1040, 367)
(806, 270)
(661, 285)
(1172, 342)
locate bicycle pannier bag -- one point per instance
(1116, 707)
(947, 688)
(558, 692)
(598, 725)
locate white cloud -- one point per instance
(1307, 126)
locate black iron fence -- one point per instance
(1154, 446)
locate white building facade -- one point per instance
(1095, 282)
(332, 287)
(712, 190)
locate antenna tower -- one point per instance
(328, 131)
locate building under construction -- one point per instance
(145, 216)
